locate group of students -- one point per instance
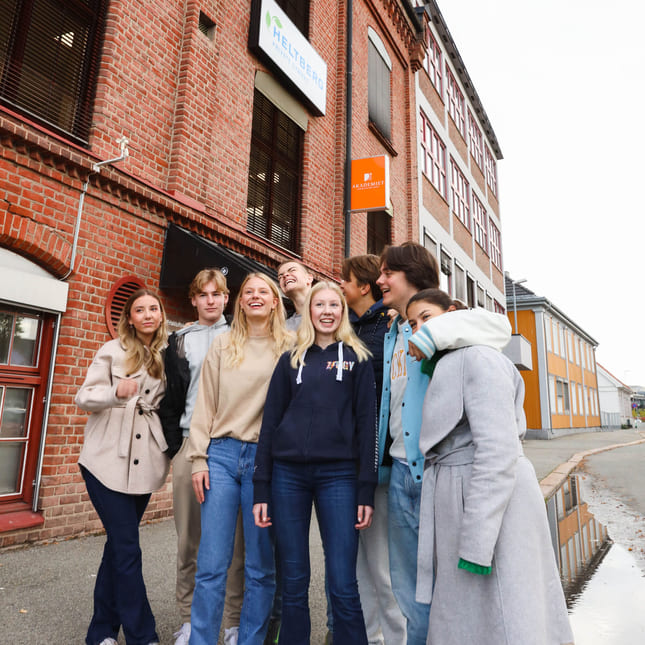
(399, 425)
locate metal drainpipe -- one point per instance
(348, 129)
(123, 143)
(43, 437)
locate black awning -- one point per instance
(185, 254)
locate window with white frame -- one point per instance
(547, 333)
(562, 394)
(456, 103)
(445, 276)
(433, 62)
(475, 140)
(576, 354)
(574, 399)
(460, 283)
(570, 346)
(434, 156)
(556, 338)
(553, 404)
(581, 403)
(430, 244)
(494, 244)
(499, 309)
(586, 395)
(480, 223)
(481, 297)
(491, 171)
(563, 342)
(459, 194)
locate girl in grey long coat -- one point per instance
(483, 539)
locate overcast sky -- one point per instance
(562, 84)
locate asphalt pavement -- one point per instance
(46, 590)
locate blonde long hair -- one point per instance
(282, 338)
(136, 353)
(307, 333)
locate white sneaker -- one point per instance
(108, 641)
(230, 636)
(183, 635)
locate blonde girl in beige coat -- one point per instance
(122, 462)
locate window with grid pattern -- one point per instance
(434, 156)
(494, 244)
(49, 54)
(459, 194)
(456, 103)
(480, 223)
(475, 141)
(433, 62)
(275, 175)
(491, 171)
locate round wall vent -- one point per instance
(117, 298)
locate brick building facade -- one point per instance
(459, 213)
(233, 160)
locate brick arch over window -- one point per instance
(35, 241)
(118, 296)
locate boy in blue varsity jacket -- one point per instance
(405, 270)
(318, 446)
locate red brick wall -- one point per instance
(185, 104)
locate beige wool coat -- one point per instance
(124, 442)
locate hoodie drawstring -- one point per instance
(339, 366)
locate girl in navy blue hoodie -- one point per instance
(318, 445)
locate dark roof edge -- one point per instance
(432, 8)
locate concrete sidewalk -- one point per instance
(46, 591)
(554, 459)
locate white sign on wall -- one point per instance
(285, 45)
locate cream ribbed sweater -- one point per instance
(230, 400)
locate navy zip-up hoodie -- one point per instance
(321, 419)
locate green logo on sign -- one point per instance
(270, 19)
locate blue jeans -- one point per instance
(120, 597)
(403, 539)
(230, 468)
(333, 489)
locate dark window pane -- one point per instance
(10, 467)
(15, 412)
(378, 91)
(49, 55)
(378, 231)
(25, 341)
(298, 12)
(273, 201)
(6, 331)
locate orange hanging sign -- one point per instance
(370, 189)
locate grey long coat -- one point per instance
(481, 502)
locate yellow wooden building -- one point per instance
(562, 384)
